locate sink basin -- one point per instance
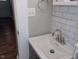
(47, 49)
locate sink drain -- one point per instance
(52, 51)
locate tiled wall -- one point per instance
(65, 18)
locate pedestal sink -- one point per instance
(47, 48)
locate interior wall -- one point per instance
(21, 22)
(40, 23)
(66, 19)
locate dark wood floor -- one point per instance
(8, 47)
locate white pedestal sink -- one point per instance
(43, 44)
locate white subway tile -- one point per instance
(59, 14)
(73, 9)
(74, 17)
(73, 29)
(66, 19)
(66, 15)
(63, 9)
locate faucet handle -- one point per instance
(63, 41)
(57, 38)
(53, 33)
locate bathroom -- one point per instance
(47, 17)
(42, 29)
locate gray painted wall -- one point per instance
(40, 23)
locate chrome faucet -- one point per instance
(59, 36)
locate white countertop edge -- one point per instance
(37, 50)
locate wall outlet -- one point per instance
(31, 12)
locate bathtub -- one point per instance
(45, 43)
